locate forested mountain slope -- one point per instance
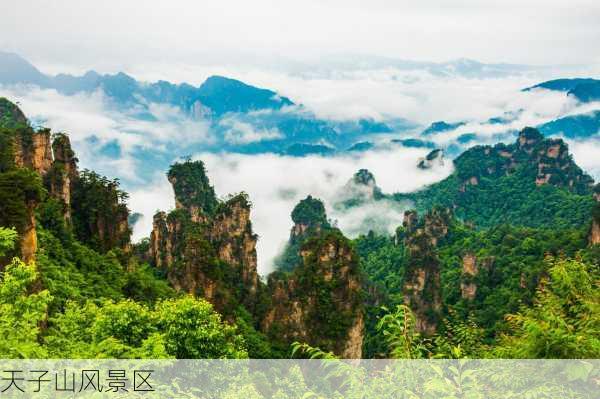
(533, 182)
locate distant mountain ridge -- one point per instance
(217, 95)
(583, 89)
(244, 118)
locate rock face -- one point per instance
(547, 161)
(21, 147)
(63, 173)
(206, 247)
(309, 218)
(433, 159)
(236, 242)
(594, 236)
(422, 279)
(33, 150)
(94, 200)
(28, 235)
(470, 269)
(320, 301)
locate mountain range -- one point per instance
(276, 123)
(484, 263)
(242, 118)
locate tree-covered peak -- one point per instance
(441, 126)
(310, 211)
(192, 187)
(583, 89)
(529, 136)
(531, 182)
(361, 188)
(561, 84)
(364, 177)
(541, 161)
(10, 114)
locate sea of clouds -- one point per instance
(276, 183)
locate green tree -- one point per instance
(185, 328)
(21, 312)
(399, 331)
(192, 330)
(564, 320)
(7, 240)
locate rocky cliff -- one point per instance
(63, 173)
(206, 246)
(468, 288)
(32, 149)
(422, 279)
(319, 302)
(97, 203)
(24, 154)
(309, 218)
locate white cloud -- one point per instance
(156, 195)
(239, 132)
(585, 153)
(92, 122)
(276, 184)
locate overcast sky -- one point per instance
(112, 35)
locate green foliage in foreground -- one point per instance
(510, 261)
(21, 312)
(183, 328)
(562, 323)
(92, 307)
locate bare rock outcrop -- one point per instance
(32, 149)
(421, 289)
(470, 270)
(63, 174)
(206, 246)
(320, 301)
